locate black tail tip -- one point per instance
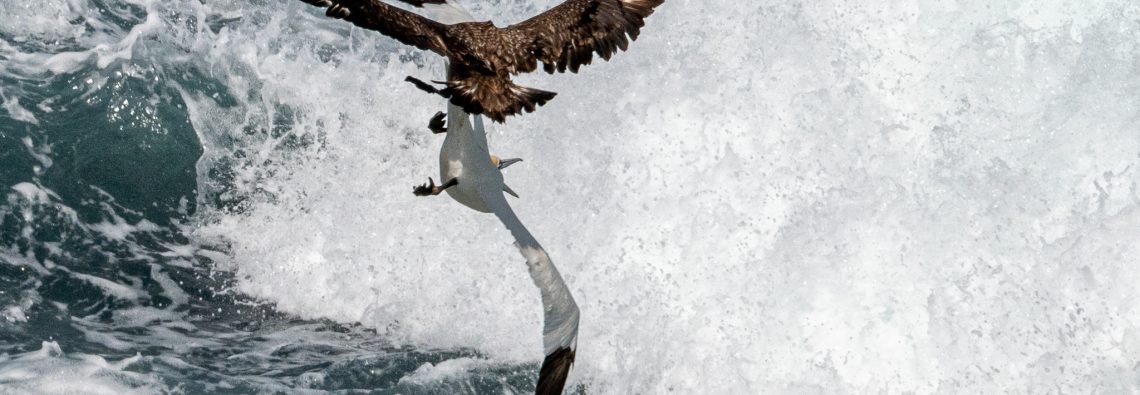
(555, 369)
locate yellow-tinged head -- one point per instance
(503, 163)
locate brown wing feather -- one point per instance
(567, 36)
(495, 96)
(404, 26)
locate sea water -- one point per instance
(827, 197)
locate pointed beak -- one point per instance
(507, 162)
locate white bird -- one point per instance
(474, 178)
(464, 147)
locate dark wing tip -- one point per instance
(585, 28)
(405, 26)
(420, 3)
(555, 369)
(414, 3)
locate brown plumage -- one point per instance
(483, 57)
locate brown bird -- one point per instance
(483, 57)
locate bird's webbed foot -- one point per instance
(437, 123)
(430, 189)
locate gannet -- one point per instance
(472, 176)
(484, 57)
(462, 145)
(478, 184)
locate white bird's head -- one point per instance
(502, 164)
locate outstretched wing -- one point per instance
(404, 26)
(567, 36)
(560, 313)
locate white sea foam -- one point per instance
(74, 21)
(762, 196)
(15, 110)
(13, 314)
(31, 192)
(50, 371)
(118, 229)
(110, 287)
(41, 153)
(429, 373)
(43, 20)
(170, 289)
(17, 313)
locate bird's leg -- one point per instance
(430, 189)
(426, 87)
(437, 124)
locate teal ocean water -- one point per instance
(759, 197)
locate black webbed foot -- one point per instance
(430, 189)
(437, 123)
